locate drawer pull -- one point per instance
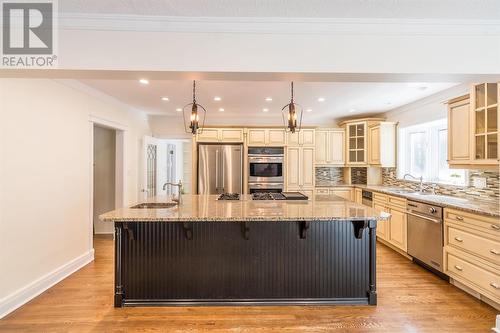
(495, 285)
(458, 239)
(495, 252)
(458, 268)
(460, 218)
(495, 226)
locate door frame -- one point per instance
(120, 166)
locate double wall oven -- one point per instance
(266, 169)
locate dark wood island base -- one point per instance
(245, 263)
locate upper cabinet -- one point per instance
(220, 135)
(382, 144)
(266, 137)
(370, 141)
(473, 128)
(459, 130)
(304, 137)
(330, 147)
(484, 123)
(356, 143)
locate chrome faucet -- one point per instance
(179, 185)
(421, 179)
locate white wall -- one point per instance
(45, 177)
(426, 109)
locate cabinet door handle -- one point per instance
(458, 239)
(495, 226)
(495, 285)
(495, 252)
(460, 218)
(458, 268)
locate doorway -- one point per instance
(104, 193)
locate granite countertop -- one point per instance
(208, 208)
(483, 207)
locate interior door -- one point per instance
(149, 172)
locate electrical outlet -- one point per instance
(479, 182)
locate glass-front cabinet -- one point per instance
(356, 143)
(484, 121)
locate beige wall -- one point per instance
(104, 176)
(45, 178)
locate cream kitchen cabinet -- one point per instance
(266, 137)
(382, 144)
(459, 131)
(358, 195)
(472, 252)
(220, 135)
(299, 168)
(305, 137)
(330, 147)
(343, 192)
(485, 124)
(393, 231)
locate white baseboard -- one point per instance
(27, 293)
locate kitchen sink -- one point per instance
(155, 205)
(439, 197)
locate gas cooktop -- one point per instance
(229, 196)
(267, 196)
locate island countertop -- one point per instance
(198, 208)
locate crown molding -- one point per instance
(144, 23)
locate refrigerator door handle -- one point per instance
(217, 171)
(223, 161)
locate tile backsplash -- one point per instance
(359, 176)
(490, 192)
(329, 176)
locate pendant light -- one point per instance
(191, 113)
(292, 115)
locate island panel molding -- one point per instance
(216, 263)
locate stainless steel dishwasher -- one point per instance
(425, 234)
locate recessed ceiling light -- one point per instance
(269, 99)
(321, 99)
(352, 110)
(422, 87)
(388, 103)
(217, 98)
(143, 81)
(265, 110)
(308, 110)
(165, 99)
(221, 110)
(178, 109)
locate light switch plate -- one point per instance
(479, 182)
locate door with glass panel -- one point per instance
(149, 181)
(484, 120)
(356, 143)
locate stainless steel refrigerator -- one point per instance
(220, 168)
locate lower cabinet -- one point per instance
(393, 231)
(472, 252)
(398, 229)
(358, 195)
(343, 192)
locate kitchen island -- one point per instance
(211, 252)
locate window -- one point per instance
(423, 151)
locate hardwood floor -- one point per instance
(410, 300)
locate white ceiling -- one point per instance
(245, 100)
(401, 9)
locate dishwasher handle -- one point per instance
(438, 221)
